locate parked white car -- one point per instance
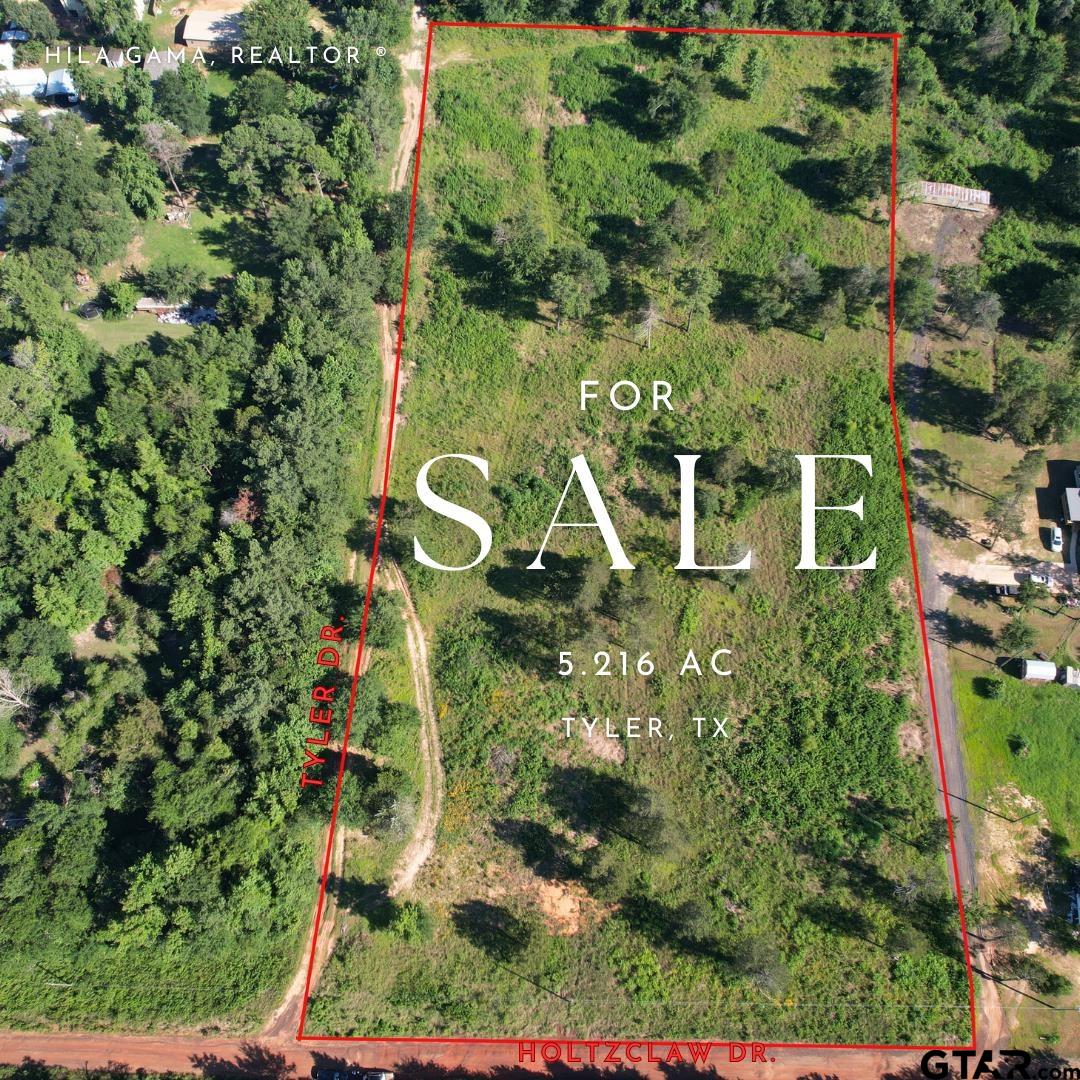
(1057, 542)
(1040, 579)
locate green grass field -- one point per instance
(1047, 720)
(113, 334)
(663, 888)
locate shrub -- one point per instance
(122, 297)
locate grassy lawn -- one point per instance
(961, 470)
(1047, 720)
(205, 243)
(590, 888)
(115, 334)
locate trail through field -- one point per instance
(412, 64)
(420, 846)
(422, 842)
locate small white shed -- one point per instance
(960, 198)
(1039, 671)
(1070, 503)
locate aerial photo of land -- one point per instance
(614, 759)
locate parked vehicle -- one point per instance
(326, 1072)
(1040, 579)
(1005, 590)
(1057, 543)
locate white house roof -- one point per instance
(931, 189)
(157, 63)
(213, 25)
(60, 82)
(156, 303)
(26, 81)
(1071, 503)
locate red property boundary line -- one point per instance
(895, 39)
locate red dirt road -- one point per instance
(281, 1059)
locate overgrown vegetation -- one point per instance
(632, 888)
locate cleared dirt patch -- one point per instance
(924, 226)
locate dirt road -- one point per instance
(285, 1020)
(422, 843)
(282, 1059)
(992, 1025)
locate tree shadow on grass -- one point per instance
(493, 929)
(519, 639)
(1059, 476)
(546, 853)
(676, 174)
(944, 401)
(819, 180)
(239, 242)
(483, 281)
(785, 135)
(938, 519)
(559, 582)
(960, 629)
(975, 592)
(597, 803)
(628, 106)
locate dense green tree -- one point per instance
(249, 302)
(182, 98)
(698, 286)
(914, 291)
(1017, 635)
(1060, 305)
(372, 86)
(1031, 592)
(1032, 408)
(521, 246)
(256, 96)
(173, 280)
(714, 167)
(755, 72)
(918, 77)
(116, 23)
(63, 200)
(824, 127)
(277, 156)
(1061, 181)
(674, 104)
(579, 278)
(32, 16)
(862, 286)
(277, 24)
(973, 306)
(122, 297)
(386, 626)
(131, 169)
